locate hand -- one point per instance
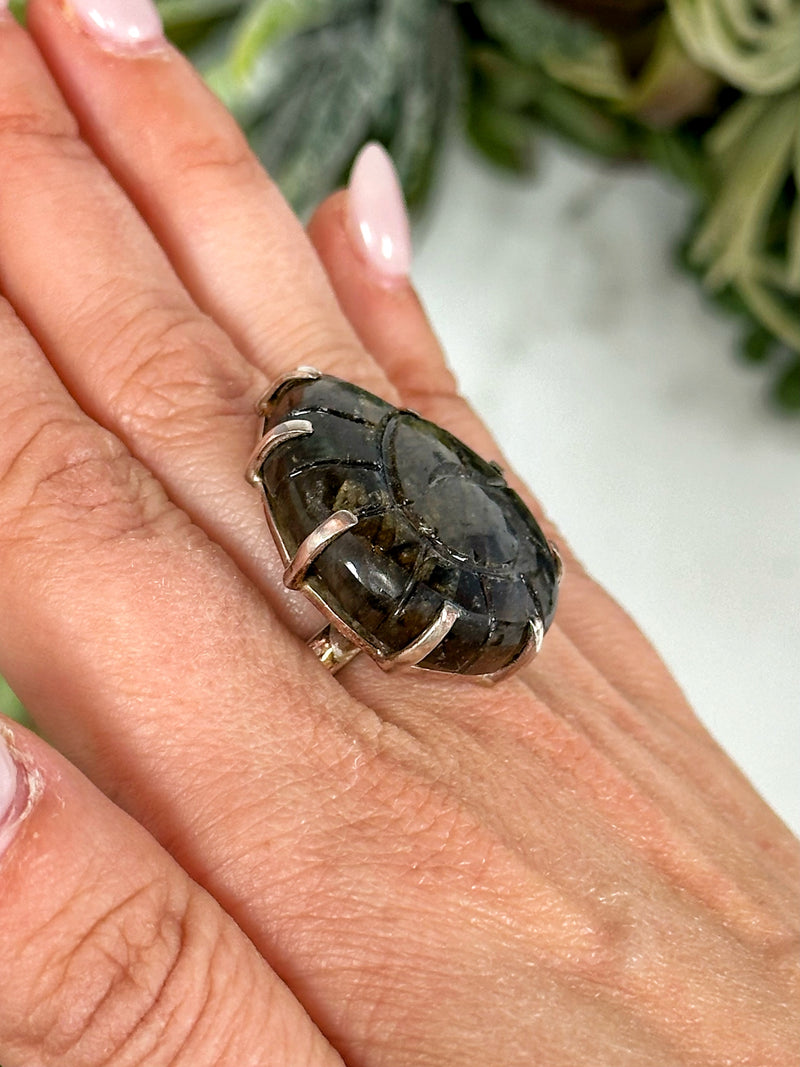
(255, 862)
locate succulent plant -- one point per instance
(748, 240)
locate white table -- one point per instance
(612, 386)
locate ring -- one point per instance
(413, 547)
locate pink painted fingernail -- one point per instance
(378, 212)
(120, 25)
(19, 788)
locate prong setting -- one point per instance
(427, 641)
(334, 526)
(299, 374)
(528, 652)
(559, 562)
(439, 546)
(284, 431)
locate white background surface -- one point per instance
(612, 387)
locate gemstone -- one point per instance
(436, 523)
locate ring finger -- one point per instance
(117, 322)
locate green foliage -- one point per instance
(571, 52)
(752, 46)
(748, 240)
(707, 90)
(311, 80)
(10, 705)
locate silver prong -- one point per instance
(533, 644)
(558, 560)
(334, 526)
(299, 374)
(427, 641)
(284, 431)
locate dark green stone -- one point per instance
(436, 522)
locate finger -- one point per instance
(182, 160)
(110, 953)
(157, 64)
(271, 787)
(362, 238)
(119, 326)
(111, 609)
(381, 303)
(377, 296)
(146, 656)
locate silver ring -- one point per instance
(413, 547)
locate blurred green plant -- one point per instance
(10, 705)
(707, 90)
(311, 80)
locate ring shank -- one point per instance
(332, 648)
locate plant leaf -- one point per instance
(179, 13)
(308, 140)
(754, 46)
(753, 166)
(11, 706)
(671, 87)
(266, 22)
(424, 98)
(568, 48)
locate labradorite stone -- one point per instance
(436, 522)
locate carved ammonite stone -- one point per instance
(422, 529)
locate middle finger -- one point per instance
(101, 297)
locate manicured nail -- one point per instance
(378, 212)
(19, 788)
(120, 25)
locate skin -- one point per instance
(234, 858)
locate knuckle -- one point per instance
(30, 130)
(66, 471)
(163, 367)
(317, 341)
(134, 986)
(224, 154)
(173, 366)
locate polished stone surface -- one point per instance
(436, 524)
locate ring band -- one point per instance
(411, 545)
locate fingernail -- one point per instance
(120, 25)
(20, 785)
(378, 213)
